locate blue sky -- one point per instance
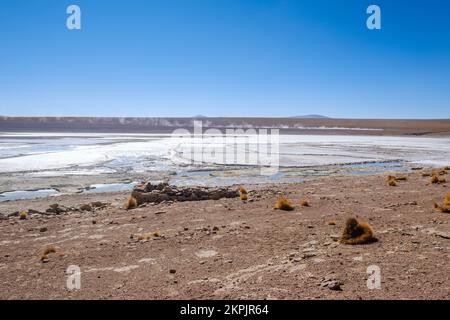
(225, 58)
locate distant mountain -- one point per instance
(311, 116)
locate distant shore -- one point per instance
(319, 126)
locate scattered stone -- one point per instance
(163, 192)
(442, 234)
(172, 271)
(308, 255)
(98, 204)
(32, 211)
(56, 209)
(43, 229)
(335, 237)
(334, 285)
(86, 207)
(13, 214)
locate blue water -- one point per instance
(26, 195)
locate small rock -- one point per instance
(442, 234)
(43, 229)
(172, 271)
(86, 207)
(334, 285)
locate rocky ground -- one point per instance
(230, 249)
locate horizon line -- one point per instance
(318, 117)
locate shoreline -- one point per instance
(298, 174)
(280, 255)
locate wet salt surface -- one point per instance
(111, 187)
(46, 157)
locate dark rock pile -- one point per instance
(56, 209)
(157, 193)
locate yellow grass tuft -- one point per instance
(46, 252)
(131, 203)
(243, 194)
(392, 182)
(284, 204)
(304, 203)
(147, 236)
(435, 179)
(331, 223)
(445, 206)
(242, 190)
(357, 233)
(23, 215)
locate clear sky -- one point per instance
(225, 58)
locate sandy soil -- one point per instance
(229, 249)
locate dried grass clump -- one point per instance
(437, 173)
(445, 206)
(284, 204)
(392, 180)
(148, 236)
(357, 233)
(131, 203)
(23, 215)
(242, 190)
(392, 183)
(243, 194)
(435, 179)
(46, 252)
(304, 203)
(331, 223)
